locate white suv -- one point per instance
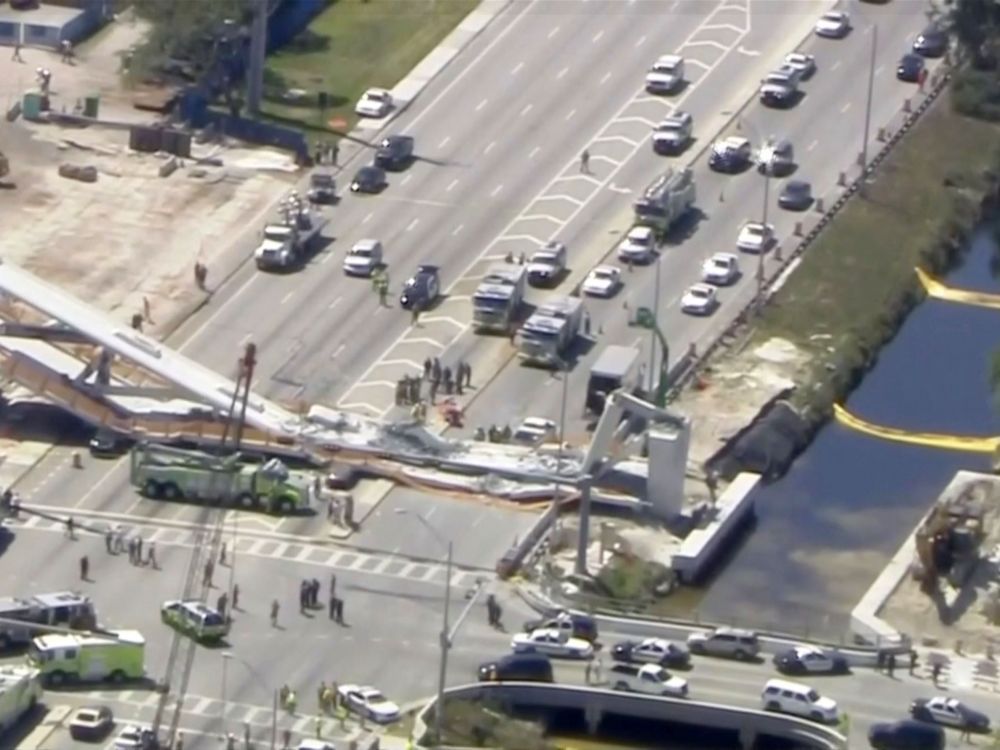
(799, 700)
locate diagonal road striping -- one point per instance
(532, 212)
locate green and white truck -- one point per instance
(20, 692)
(112, 655)
(163, 472)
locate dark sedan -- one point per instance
(421, 289)
(906, 735)
(931, 42)
(796, 195)
(109, 444)
(368, 180)
(394, 152)
(910, 67)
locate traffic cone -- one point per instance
(798, 229)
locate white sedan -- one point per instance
(552, 642)
(700, 299)
(722, 269)
(368, 702)
(834, 24)
(374, 103)
(755, 237)
(805, 64)
(603, 281)
(132, 738)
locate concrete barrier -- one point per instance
(749, 724)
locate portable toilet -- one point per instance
(31, 107)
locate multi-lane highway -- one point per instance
(389, 641)
(499, 134)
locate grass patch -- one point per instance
(856, 283)
(351, 46)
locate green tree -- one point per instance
(976, 26)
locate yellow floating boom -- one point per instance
(938, 290)
(966, 443)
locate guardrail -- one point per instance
(748, 724)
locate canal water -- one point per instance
(826, 530)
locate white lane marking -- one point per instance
(605, 78)
(748, 52)
(562, 73)
(481, 104)
(516, 68)
(845, 108)
(444, 143)
(571, 115)
(553, 32)
(526, 109)
(879, 69)
(640, 41)
(709, 43)
(622, 190)
(287, 297)
(457, 229)
(337, 351)
(523, 8)
(534, 152)
(525, 216)
(367, 218)
(412, 224)
(451, 186)
(333, 304)
(812, 145)
(406, 179)
(496, 191)
(489, 147)
(835, 65)
(597, 37)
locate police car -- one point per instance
(195, 620)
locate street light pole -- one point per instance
(225, 697)
(564, 366)
(226, 656)
(652, 331)
(445, 646)
(767, 238)
(868, 106)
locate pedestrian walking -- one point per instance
(436, 370)
(459, 375)
(138, 550)
(491, 610)
(879, 660)
(222, 554)
(333, 584)
(935, 672)
(340, 611)
(291, 702)
(428, 365)
(966, 735)
(315, 593)
(222, 604)
(334, 153)
(274, 613)
(892, 665)
(468, 375)
(598, 669)
(151, 556)
(200, 275)
(586, 671)
(109, 541)
(16, 57)
(585, 162)
(131, 551)
(70, 532)
(209, 570)
(303, 595)
(84, 568)
(913, 662)
(236, 597)
(120, 538)
(333, 607)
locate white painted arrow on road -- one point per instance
(614, 188)
(748, 52)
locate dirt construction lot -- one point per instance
(132, 233)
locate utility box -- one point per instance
(668, 456)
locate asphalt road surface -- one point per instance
(389, 641)
(826, 128)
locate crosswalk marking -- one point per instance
(380, 564)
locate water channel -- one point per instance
(825, 531)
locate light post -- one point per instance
(226, 657)
(652, 329)
(564, 369)
(767, 237)
(868, 107)
(444, 638)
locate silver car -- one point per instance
(732, 643)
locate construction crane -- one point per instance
(206, 548)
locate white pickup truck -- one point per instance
(650, 679)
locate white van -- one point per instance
(799, 700)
